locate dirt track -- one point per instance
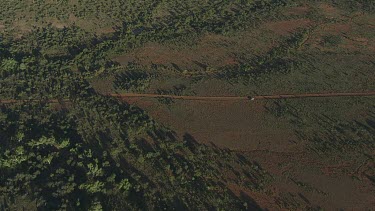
(217, 98)
(233, 98)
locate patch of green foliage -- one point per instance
(97, 152)
(132, 79)
(331, 40)
(94, 152)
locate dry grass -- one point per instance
(287, 26)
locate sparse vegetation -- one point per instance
(331, 40)
(90, 151)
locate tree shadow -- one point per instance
(371, 123)
(176, 67)
(250, 202)
(200, 64)
(190, 142)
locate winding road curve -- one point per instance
(217, 98)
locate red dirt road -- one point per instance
(234, 98)
(32, 100)
(217, 98)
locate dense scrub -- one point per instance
(94, 152)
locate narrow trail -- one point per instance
(215, 98)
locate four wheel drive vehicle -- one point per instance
(251, 98)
